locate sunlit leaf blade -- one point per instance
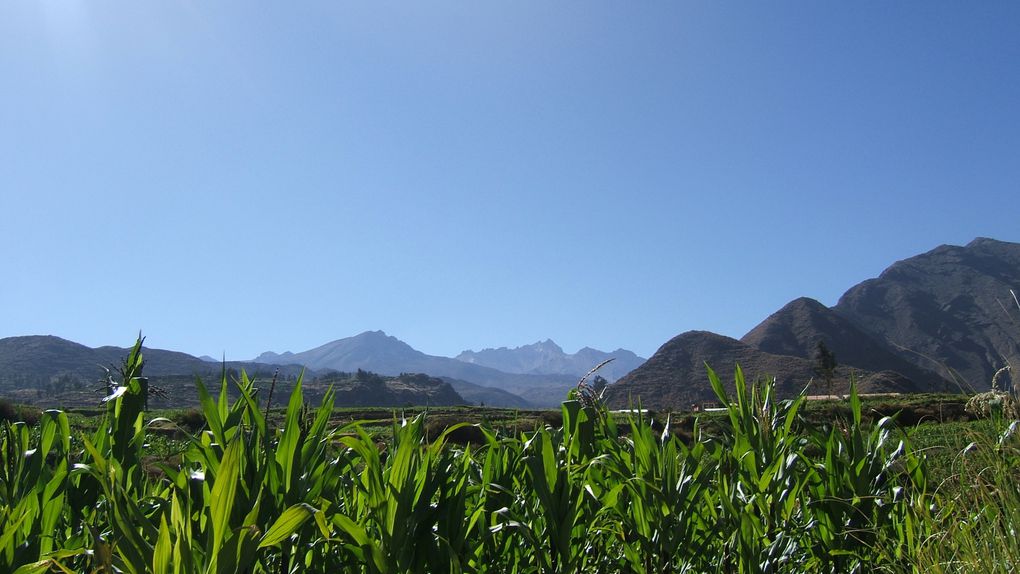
(287, 524)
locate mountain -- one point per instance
(675, 376)
(378, 352)
(42, 357)
(48, 370)
(372, 351)
(487, 396)
(546, 357)
(797, 328)
(938, 321)
(370, 390)
(949, 309)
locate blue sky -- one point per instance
(234, 177)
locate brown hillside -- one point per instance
(797, 328)
(948, 309)
(675, 378)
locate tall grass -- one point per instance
(975, 516)
(762, 493)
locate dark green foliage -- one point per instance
(18, 413)
(7, 411)
(191, 420)
(825, 364)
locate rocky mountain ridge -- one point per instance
(676, 378)
(948, 310)
(796, 329)
(944, 320)
(381, 353)
(546, 357)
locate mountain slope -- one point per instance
(546, 357)
(487, 396)
(50, 371)
(924, 320)
(797, 328)
(948, 309)
(372, 351)
(42, 357)
(675, 376)
(370, 390)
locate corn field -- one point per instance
(602, 493)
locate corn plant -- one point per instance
(654, 501)
(553, 514)
(406, 514)
(859, 490)
(759, 493)
(33, 490)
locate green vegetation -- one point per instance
(18, 413)
(825, 365)
(761, 488)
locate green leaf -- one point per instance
(360, 537)
(7, 539)
(318, 428)
(40, 567)
(222, 406)
(287, 524)
(253, 408)
(52, 505)
(223, 492)
(353, 529)
(163, 551)
(212, 414)
(287, 448)
(49, 430)
(238, 553)
(855, 403)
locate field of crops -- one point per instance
(765, 491)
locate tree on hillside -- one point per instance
(825, 364)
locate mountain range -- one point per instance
(944, 320)
(377, 352)
(48, 370)
(546, 357)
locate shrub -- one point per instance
(18, 413)
(191, 420)
(8, 411)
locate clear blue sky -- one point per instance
(234, 177)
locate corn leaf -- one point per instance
(287, 524)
